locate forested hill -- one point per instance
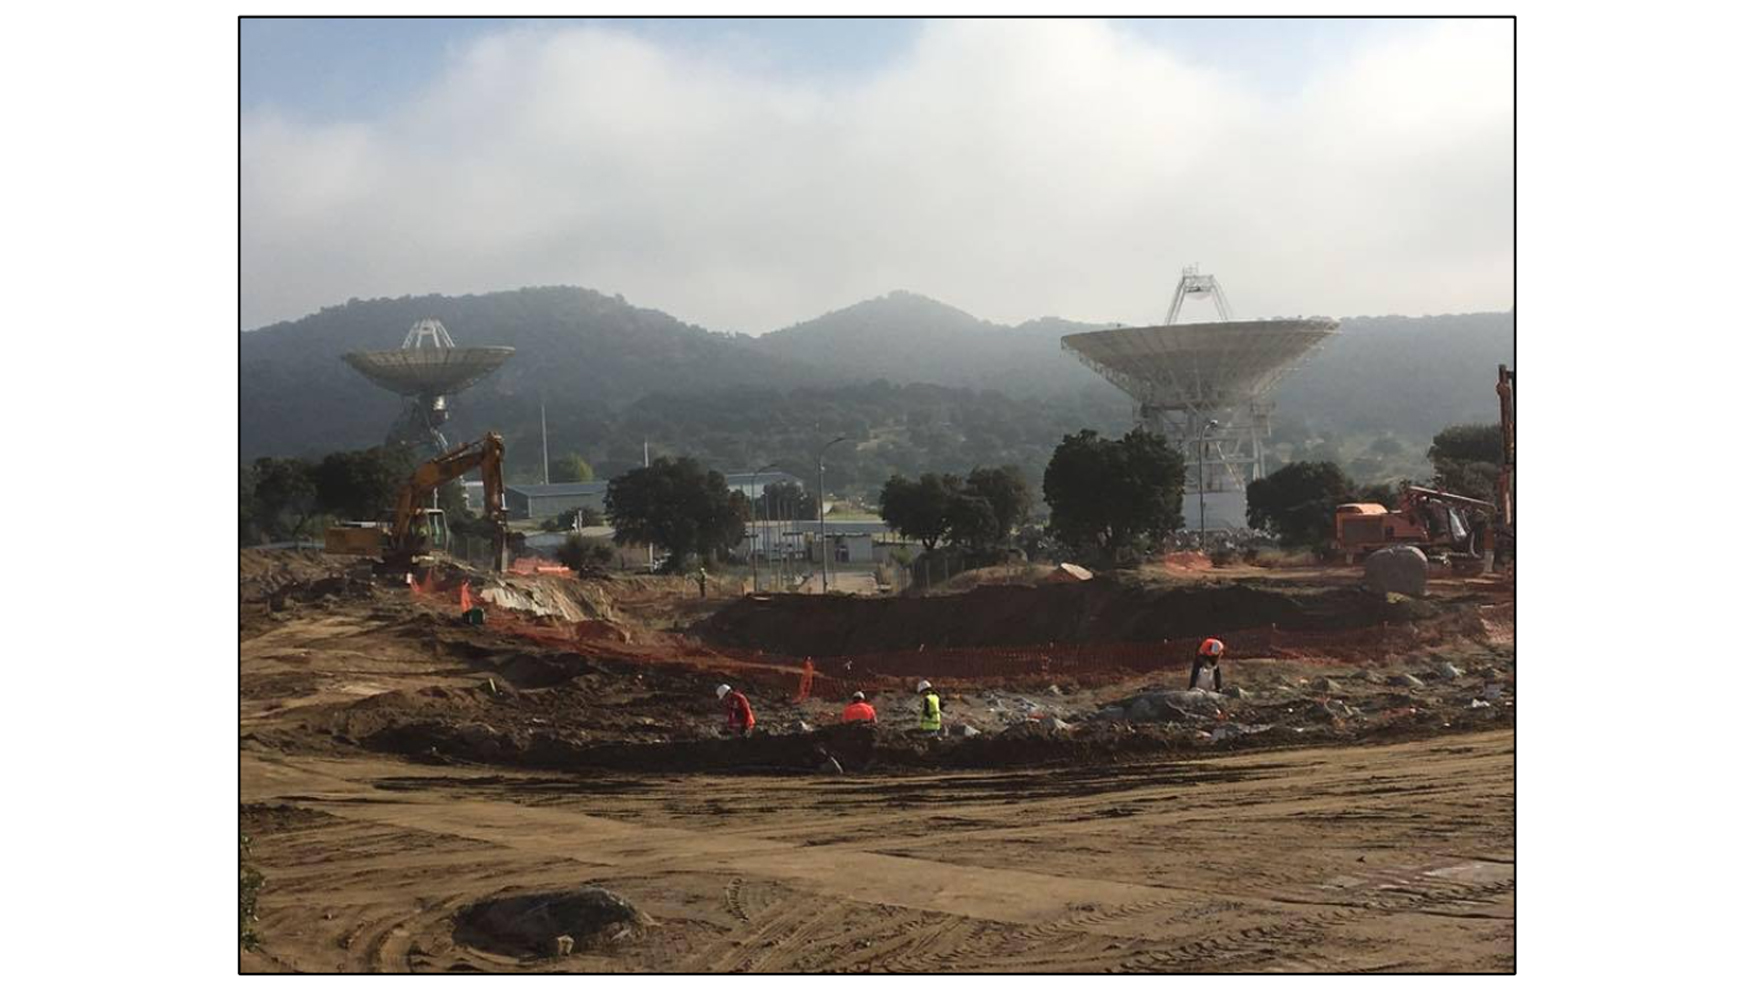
(903, 337)
(920, 384)
(1398, 373)
(577, 348)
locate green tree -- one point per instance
(972, 523)
(919, 509)
(361, 485)
(247, 511)
(1384, 494)
(285, 497)
(571, 468)
(1467, 459)
(1299, 501)
(1114, 496)
(1467, 443)
(679, 505)
(785, 501)
(578, 553)
(1005, 490)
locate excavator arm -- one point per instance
(487, 455)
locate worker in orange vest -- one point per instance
(859, 710)
(1208, 655)
(739, 718)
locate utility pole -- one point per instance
(546, 465)
(820, 508)
(753, 543)
(820, 470)
(650, 549)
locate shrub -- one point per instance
(248, 887)
(579, 553)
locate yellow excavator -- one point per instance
(412, 530)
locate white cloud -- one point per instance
(1014, 169)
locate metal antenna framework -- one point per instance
(1204, 386)
(424, 330)
(1193, 285)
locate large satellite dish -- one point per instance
(1197, 366)
(428, 367)
(1205, 386)
(429, 362)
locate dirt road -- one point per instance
(1392, 857)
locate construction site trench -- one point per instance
(544, 784)
(570, 675)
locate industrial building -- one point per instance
(540, 501)
(753, 484)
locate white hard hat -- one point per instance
(859, 696)
(722, 689)
(923, 686)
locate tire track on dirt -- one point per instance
(782, 953)
(886, 929)
(1216, 951)
(742, 944)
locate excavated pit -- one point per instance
(1103, 610)
(529, 692)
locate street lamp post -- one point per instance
(820, 501)
(786, 513)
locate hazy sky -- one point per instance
(745, 175)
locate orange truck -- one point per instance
(1432, 520)
(1425, 518)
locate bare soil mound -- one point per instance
(523, 924)
(257, 818)
(524, 704)
(264, 573)
(1103, 610)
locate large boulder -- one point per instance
(1197, 701)
(1154, 706)
(1401, 569)
(1142, 710)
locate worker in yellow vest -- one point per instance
(930, 718)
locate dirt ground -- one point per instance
(399, 768)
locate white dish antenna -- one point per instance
(1205, 386)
